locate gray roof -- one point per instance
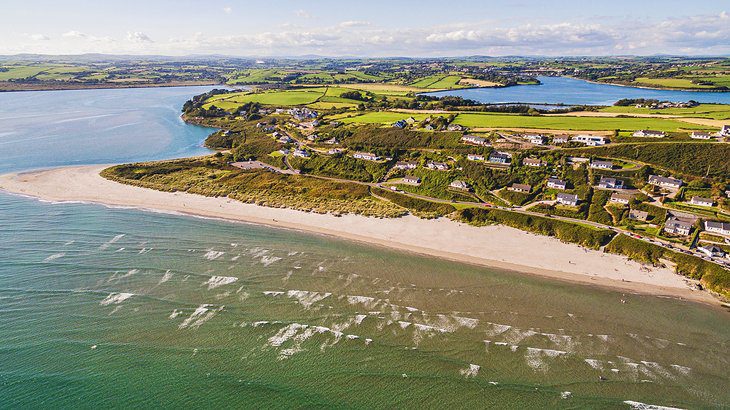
(570, 197)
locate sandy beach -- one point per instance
(494, 246)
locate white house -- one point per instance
(475, 157)
(366, 156)
(459, 185)
(500, 157)
(533, 162)
(591, 140)
(474, 140)
(438, 166)
(700, 135)
(556, 183)
(411, 180)
(649, 133)
(665, 182)
(405, 165)
(637, 215)
(520, 188)
(722, 228)
(620, 198)
(725, 131)
(711, 251)
(536, 139)
(697, 200)
(560, 139)
(602, 164)
(610, 183)
(301, 153)
(678, 226)
(567, 199)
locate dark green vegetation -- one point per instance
(709, 274)
(567, 232)
(212, 177)
(419, 207)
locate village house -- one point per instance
(665, 182)
(429, 127)
(556, 183)
(722, 228)
(602, 164)
(410, 120)
(438, 166)
(332, 141)
(411, 180)
(284, 151)
(591, 140)
(638, 215)
(366, 156)
(699, 201)
(400, 124)
(610, 183)
(475, 157)
(700, 135)
(301, 153)
(561, 139)
(712, 251)
(302, 113)
(520, 188)
(725, 131)
(456, 127)
(285, 139)
(620, 198)
(678, 226)
(335, 151)
(405, 165)
(533, 162)
(498, 157)
(649, 134)
(474, 140)
(459, 185)
(567, 199)
(536, 139)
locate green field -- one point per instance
(381, 117)
(712, 111)
(282, 98)
(553, 122)
(18, 72)
(437, 81)
(669, 82)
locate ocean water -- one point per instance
(109, 307)
(563, 90)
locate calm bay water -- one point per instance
(563, 90)
(121, 308)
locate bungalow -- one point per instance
(725, 131)
(429, 127)
(500, 157)
(475, 157)
(561, 139)
(459, 185)
(700, 135)
(533, 162)
(410, 120)
(665, 182)
(602, 164)
(610, 183)
(411, 180)
(284, 151)
(567, 199)
(405, 165)
(473, 139)
(520, 188)
(332, 141)
(536, 139)
(456, 127)
(722, 228)
(576, 160)
(649, 133)
(556, 183)
(591, 140)
(678, 226)
(335, 151)
(301, 153)
(285, 139)
(366, 156)
(637, 215)
(438, 166)
(400, 124)
(620, 198)
(312, 137)
(696, 200)
(711, 251)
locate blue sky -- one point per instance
(366, 28)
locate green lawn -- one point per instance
(281, 98)
(669, 82)
(382, 117)
(712, 111)
(478, 120)
(18, 72)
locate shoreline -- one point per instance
(495, 246)
(106, 86)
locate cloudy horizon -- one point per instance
(296, 28)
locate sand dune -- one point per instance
(496, 246)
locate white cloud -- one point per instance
(74, 34)
(302, 14)
(138, 37)
(227, 10)
(355, 23)
(38, 37)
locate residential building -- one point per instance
(567, 199)
(591, 140)
(411, 180)
(455, 127)
(696, 200)
(561, 139)
(475, 157)
(405, 165)
(700, 135)
(602, 164)
(520, 188)
(474, 140)
(500, 157)
(410, 120)
(665, 182)
(611, 183)
(366, 156)
(533, 162)
(438, 166)
(459, 185)
(678, 226)
(649, 134)
(400, 124)
(620, 198)
(556, 183)
(332, 141)
(284, 151)
(712, 251)
(725, 131)
(722, 228)
(536, 139)
(285, 139)
(334, 151)
(576, 160)
(301, 153)
(638, 215)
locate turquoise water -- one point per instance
(563, 90)
(103, 307)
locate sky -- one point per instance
(366, 28)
